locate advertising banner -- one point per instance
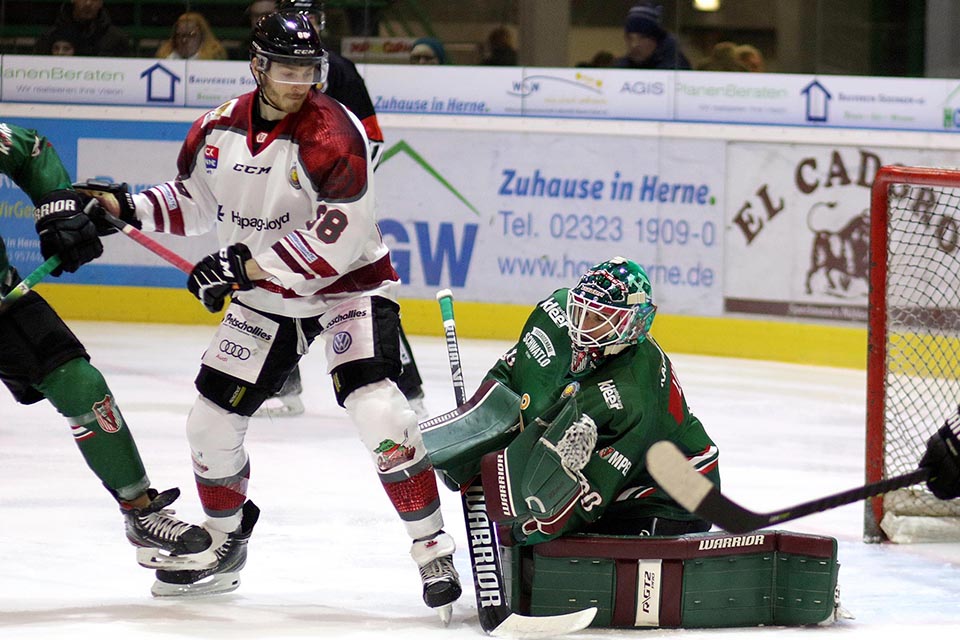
(798, 227)
(79, 80)
(509, 217)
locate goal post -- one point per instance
(913, 355)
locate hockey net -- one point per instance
(913, 360)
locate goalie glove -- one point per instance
(116, 198)
(65, 229)
(943, 459)
(217, 275)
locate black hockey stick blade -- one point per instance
(496, 617)
(675, 475)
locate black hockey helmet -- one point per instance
(288, 38)
(313, 8)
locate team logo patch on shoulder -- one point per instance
(294, 178)
(211, 157)
(610, 394)
(539, 347)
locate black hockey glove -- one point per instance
(214, 277)
(943, 460)
(127, 210)
(66, 230)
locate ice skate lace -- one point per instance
(162, 525)
(439, 570)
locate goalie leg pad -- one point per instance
(695, 581)
(455, 441)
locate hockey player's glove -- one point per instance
(943, 459)
(115, 198)
(217, 275)
(65, 229)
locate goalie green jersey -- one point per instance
(635, 399)
(29, 160)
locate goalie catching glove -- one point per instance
(116, 198)
(538, 480)
(943, 459)
(65, 229)
(214, 277)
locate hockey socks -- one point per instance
(79, 392)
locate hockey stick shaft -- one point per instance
(492, 606)
(496, 617)
(673, 472)
(149, 243)
(28, 283)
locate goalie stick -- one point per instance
(496, 618)
(675, 475)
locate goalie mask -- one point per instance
(610, 308)
(286, 49)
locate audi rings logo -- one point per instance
(238, 351)
(342, 342)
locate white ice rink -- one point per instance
(328, 558)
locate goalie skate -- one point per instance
(165, 541)
(224, 576)
(441, 583)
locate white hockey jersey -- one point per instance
(303, 204)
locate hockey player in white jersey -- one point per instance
(283, 174)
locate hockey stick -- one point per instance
(27, 283)
(673, 472)
(147, 242)
(496, 618)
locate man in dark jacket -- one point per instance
(86, 24)
(649, 45)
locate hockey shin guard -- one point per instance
(388, 428)
(79, 392)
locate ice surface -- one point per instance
(329, 559)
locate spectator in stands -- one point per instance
(428, 51)
(750, 57)
(87, 25)
(192, 39)
(63, 47)
(500, 49)
(600, 59)
(255, 10)
(649, 45)
(722, 58)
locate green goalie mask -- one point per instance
(610, 309)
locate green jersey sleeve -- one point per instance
(31, 161)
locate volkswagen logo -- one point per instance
(238, 351)
(342, 342)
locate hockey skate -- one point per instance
(164, 542)
(224, 577)
(286, 402)
(441, 583)
(416, 403)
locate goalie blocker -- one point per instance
(693, 581)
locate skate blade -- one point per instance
(160, 559)
(217, 583)
(289, 407)
(446, 613)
